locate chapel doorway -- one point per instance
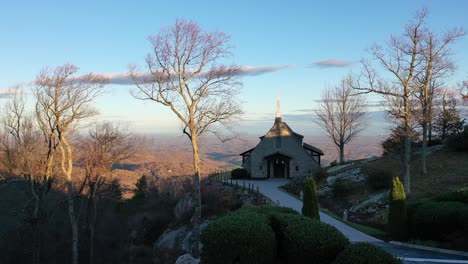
(278, 166)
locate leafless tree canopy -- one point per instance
(187, 77)
(341, 114)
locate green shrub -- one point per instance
(239, 173)
(320, 174)
(455, 196)
(397, 218)
(310, 206)
(379, 179)
(295, 185)
(239, 237)
(365, 253)
(268, 210)
(459, 142)
(304, 240)
(341, 188)
(433, 220)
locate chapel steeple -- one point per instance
(278, 109)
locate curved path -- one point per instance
(269, 188)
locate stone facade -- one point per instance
(281, 153)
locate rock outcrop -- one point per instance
(187, 259)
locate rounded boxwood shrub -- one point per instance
(365, 253)
(239, 237)
(268, 210)
(304, 240)
(239, 173)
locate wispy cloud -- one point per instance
(260, 70)
(332, 63)
(125, 78)
(8, 93)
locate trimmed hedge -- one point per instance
(268, 210)
(365, 253)
(239, 173)
(455, 196)
(437, 220)
(239, 237)
(304, 240)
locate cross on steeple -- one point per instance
(278, 107)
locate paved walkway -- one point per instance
(269, 188)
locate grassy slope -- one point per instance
(447, 171)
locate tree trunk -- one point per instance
(36, 242)
(342, 160)
(91, 220)
(67, 168)
(196, 219)
(407, 144)
(424, 151)
(73, 223)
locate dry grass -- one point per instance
(447, 170)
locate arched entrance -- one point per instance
(277, 166)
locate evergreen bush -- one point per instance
(455, 196)
(239, 173)
(365, 253)
(341, 188)
(239, 237)
(310, 206)
(379, 179)
(304, 240)
(397, 218)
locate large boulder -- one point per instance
(172, 239)
(326, 192)
(177, 239)
(187, 259)
(353, 175)
(372, 204)
(185, 207)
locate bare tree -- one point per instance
(105, 145)
(21, 147)
(401, 59)
(62, 102)
(187, 77)
(435, 66)
(341, 115)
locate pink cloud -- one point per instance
(332, 63)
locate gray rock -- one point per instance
(185, 206)
(337, 168)
(172, 239)
(326, 191)
(371, 159)
(371, 204)
(185, 244)
(187, 259)
(349, 175)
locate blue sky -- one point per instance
(290, 36)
